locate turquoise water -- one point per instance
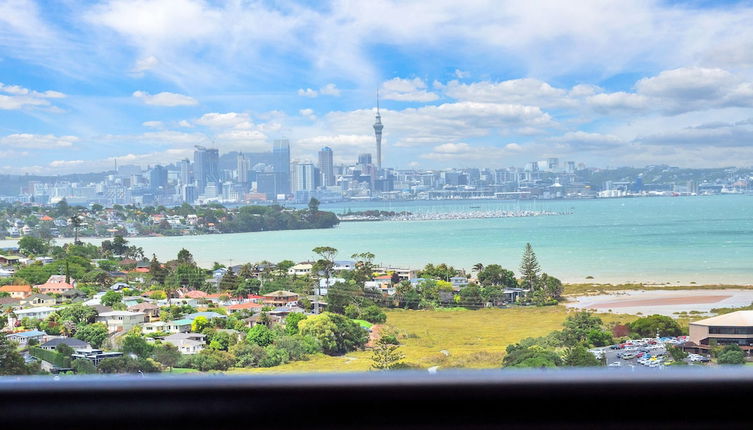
(664, 239)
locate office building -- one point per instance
(306, 177)
(206, 167)
(281, 165)
(326, 166)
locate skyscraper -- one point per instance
(364, 159)
(378, 132)
(326, 167)
(306, 177)
(243, 166)
(206, 167)
(185, 172)
(157, 178)
(281, 164)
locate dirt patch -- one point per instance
(688, 300)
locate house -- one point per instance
(119, 286)
(301, 269)
(283, 311)
(402, 274)
(344, 265)
(248, 306)
(150, 310)
(39, 313)
(8, 303)
(38, 300)
(17, 291)
(24, 337)
(256, 318)
(384, 287)
(95, 355)
(280, 298)
(7, 272)
(325, 284)
(76, 344)
(54, 287)
(196, 294)
(9, 259)
(459, 281)
(207, 315)
(60, 279)
(187, 343)
(121, 320)
(177, 326)
(512, 294)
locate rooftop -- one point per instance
(739, 318)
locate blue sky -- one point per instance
(473, 83)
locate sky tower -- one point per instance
(378, 132)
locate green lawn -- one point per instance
(470, 339)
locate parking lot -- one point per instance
(642, 353)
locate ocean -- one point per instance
(677, 240)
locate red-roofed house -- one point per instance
(244, 306)
(17, 291)
(196, 294)
(54, 287)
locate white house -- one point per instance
(24, 337)
(187, 343)
(39, 313)
(121, 320)
(344, 265)
(325, 284)
(177, 326)
(301, 269)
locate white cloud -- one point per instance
(327, 90)
(144, 64)
(461, 74)
(407, 90)
(308, 92)
(165, 99)
(619, 101)
(520, 91)
(583, 141)
(308, 113)
(37, 141)
(225, 120)
(18, 97)
(152, 124)
(345, 147)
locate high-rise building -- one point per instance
(243, 167)
(185, 172)
(364, 159)
(157, 178)
(281, 164)
(326, 166)
(378, 132)
(306, 177)
(206, 167)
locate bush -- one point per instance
(275, 356)
(298, 347)
(260, 335)
(374, 315)
(208, 359)
(126, 364)
(248, 355)
(731, 354)
(83, 366)
(651, 325)
(351, 311)
(336, 333)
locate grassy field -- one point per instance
(450, 338)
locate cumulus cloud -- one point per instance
(144, 64)
(38, 141)
(327, 90)
(520, 91)
(165, 99)
(18, 97)
(307, 113)
(225, 120)
(152, 124)
(407, 90)
(584, 141)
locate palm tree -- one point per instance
(478, 267)
(76, 222)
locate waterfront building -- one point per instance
(731, 328)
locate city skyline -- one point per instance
(460, 85)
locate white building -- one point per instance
(302, 269)
(121, 320)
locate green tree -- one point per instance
(654, 325)
(77, 313)
(374, 314)
(137, 345)
(519, 355)
(677, 353)
(209, 359)
(11, 361)
(248, 355)
(731, 355)
(342, 294)
(185, 257)
(167, 355)
(579, 356)
(494, 274)
(76, 221)
(229, 281)
(336, 333)
(596, 337)
(291, 322)
(83, 366)
(529, 268)
(578, 326)
(199, 324)
(128, 364)
(93, 334)
(30, 245)
(260, 335)
(110, 298)
(385, 355)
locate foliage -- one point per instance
(208, 359)
(274, 356)
(579, 356)
(248, 355)
(53, 357)
(494, 274)
(529, 268)
(127, 364)
(578, 327)
(94, 334)
(336, 333)
(731, 354)
(297, 347)
(530, 356)
(199, 324)
(651, 325)
(596, 337)
(677, 353)
(135, 344)
(167, 355)
(373, 314)
(110, 298)
(30, 245)
(343, 294)
(385, 355)
(260, 335)
(291, 322)
(83, 366)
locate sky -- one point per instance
(472, 83)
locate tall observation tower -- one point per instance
(378, 132)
